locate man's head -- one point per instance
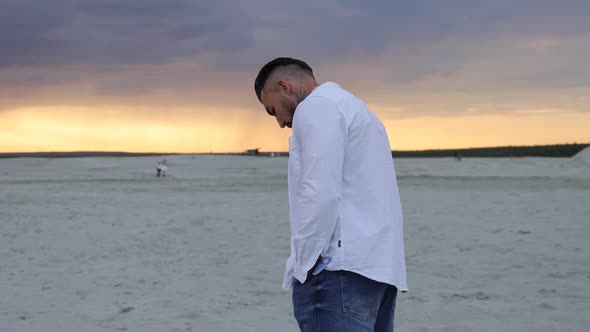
(281, 85)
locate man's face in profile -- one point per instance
(279, 104)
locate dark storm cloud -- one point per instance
(126, 31)
(144, 9)
(27, 32)
(97, 32)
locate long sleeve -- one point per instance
(344, 202)
(320, 128)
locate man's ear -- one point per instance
(284, 87)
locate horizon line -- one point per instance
(265, 151)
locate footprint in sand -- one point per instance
(546, 306)
(558, 275)
(544, 291)
(467, 296)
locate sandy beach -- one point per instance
(102, 244)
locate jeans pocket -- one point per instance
(360, 296)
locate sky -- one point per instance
(178, 75)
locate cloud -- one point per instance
(97, 33)
(422, 56)
(543, 111)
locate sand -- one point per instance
(583, 156)
(101, 244)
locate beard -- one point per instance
(290, 106)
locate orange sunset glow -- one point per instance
(75, 129)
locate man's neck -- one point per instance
(305, 89)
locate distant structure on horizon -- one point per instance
(252, 152)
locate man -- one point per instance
(347, 252)
(159, 168)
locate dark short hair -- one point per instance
(268, 68)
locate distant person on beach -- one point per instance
(164, 168)
(347, 258)
(159, 169)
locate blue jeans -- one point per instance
(343, 301)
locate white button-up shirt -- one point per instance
(344, 201)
